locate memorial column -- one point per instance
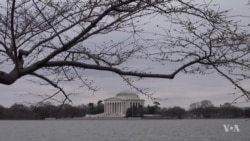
(119, 107)
(112, 105)
(104, 107)
(123, 107)
(108, 108)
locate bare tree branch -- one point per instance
(61, 39)
(54, 85)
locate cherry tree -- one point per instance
(49, 39)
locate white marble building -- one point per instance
(118, 105)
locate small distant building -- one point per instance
(118, 105)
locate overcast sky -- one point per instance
(182, 91)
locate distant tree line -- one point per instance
(48, 110)
(203, 109)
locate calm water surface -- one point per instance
(124, 130)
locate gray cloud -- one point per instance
(182, 91)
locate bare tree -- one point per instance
(206, 104)
(195, 105)
(48, 39)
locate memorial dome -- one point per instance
(118, 105)
(127, 95)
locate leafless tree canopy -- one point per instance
(48, 39)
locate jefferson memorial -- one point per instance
(118, 105)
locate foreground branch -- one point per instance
(119, 71)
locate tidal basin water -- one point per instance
(125, 130)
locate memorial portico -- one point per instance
(118, 105)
